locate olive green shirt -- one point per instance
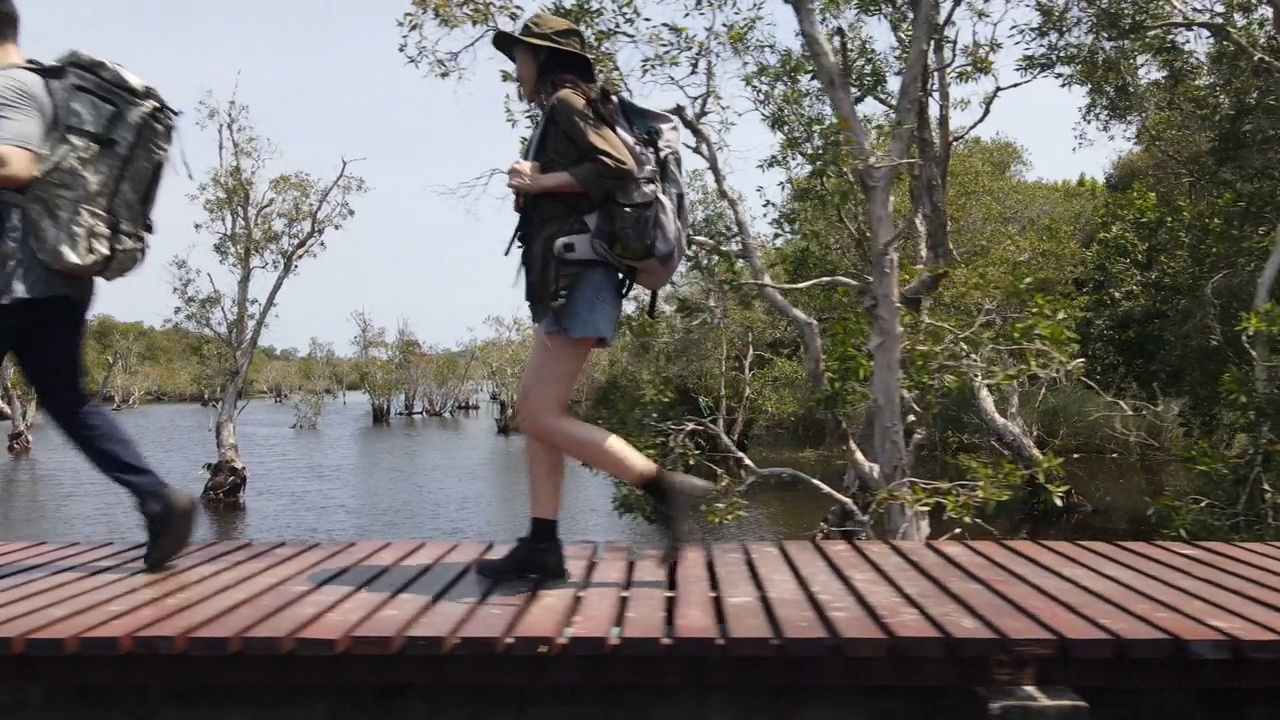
(576, 141)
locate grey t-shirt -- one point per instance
(25, 107)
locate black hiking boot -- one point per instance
(543, 561)
(675, 496)
(169, 528)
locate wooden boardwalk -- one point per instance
(946, 606)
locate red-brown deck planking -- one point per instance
(1241, 555)
(36, 556)
(540, 629)
(748, 630)
(1253, 625)
(644, 621)
(1090, 600)
(913, 634)
(170, 634)
(1112, 584)
(1155, 581)
(116, 636)
(487, 628)
(274, 634)
(44, 597)
(77, 599)
(967, 634)
(595, 619)
(1139, 639)
(1269, 550)
(1080, 637)
(67, 635)
(12, 547)
(221, 634)
(431, 633)
(859, 634)
(695, 626)
(385, 632)
(1023, 635)
(330, 633)
(801, 630)
(38, 579)
(1236, 576)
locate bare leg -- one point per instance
(551, 433)
(545, 464)
(550, 376)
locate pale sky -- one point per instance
(323, 79)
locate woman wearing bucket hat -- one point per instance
(576, 163)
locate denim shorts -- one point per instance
(592, 306)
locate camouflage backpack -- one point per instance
(642, 229)
(89, 208)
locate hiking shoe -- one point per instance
(679, 495)
(169, 529)
(544, 561)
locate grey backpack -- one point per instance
(642, 229)
(89, 208)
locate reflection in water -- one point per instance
(418, 478)
(227, 522)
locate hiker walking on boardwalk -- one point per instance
(43, 311)
(575, 164)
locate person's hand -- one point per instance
(521, 176)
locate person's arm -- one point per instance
(22, 132)
(608, 166)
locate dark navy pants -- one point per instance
(46, 335)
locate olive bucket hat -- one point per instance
(548, 31)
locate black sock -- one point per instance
(543, 530)
(656, 488)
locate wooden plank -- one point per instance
(432, 631)
(77, 601)
(1238, 553)
(170, 634)
(594, 623)
(800, 628)
(35, 556)
(1140, 639)
(221, 635)
(41, 578)
(116, 636)
(644, 618)
(330, 633)
(1264, 549)
(44, 596)
(912, 633)
(540, 630)
(1212, 567)
(695, 627)
(384, 632)
(858, 633)
(274, 634)
(748, 630)
(64, 636)
(1253, 625)
(12, 547)
(485, 630)
(968, 635)
(1080, 638)
(1201, 641)
(1023, 636)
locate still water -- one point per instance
(417, 478)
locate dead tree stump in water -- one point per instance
(20, 442)
(227, 480)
